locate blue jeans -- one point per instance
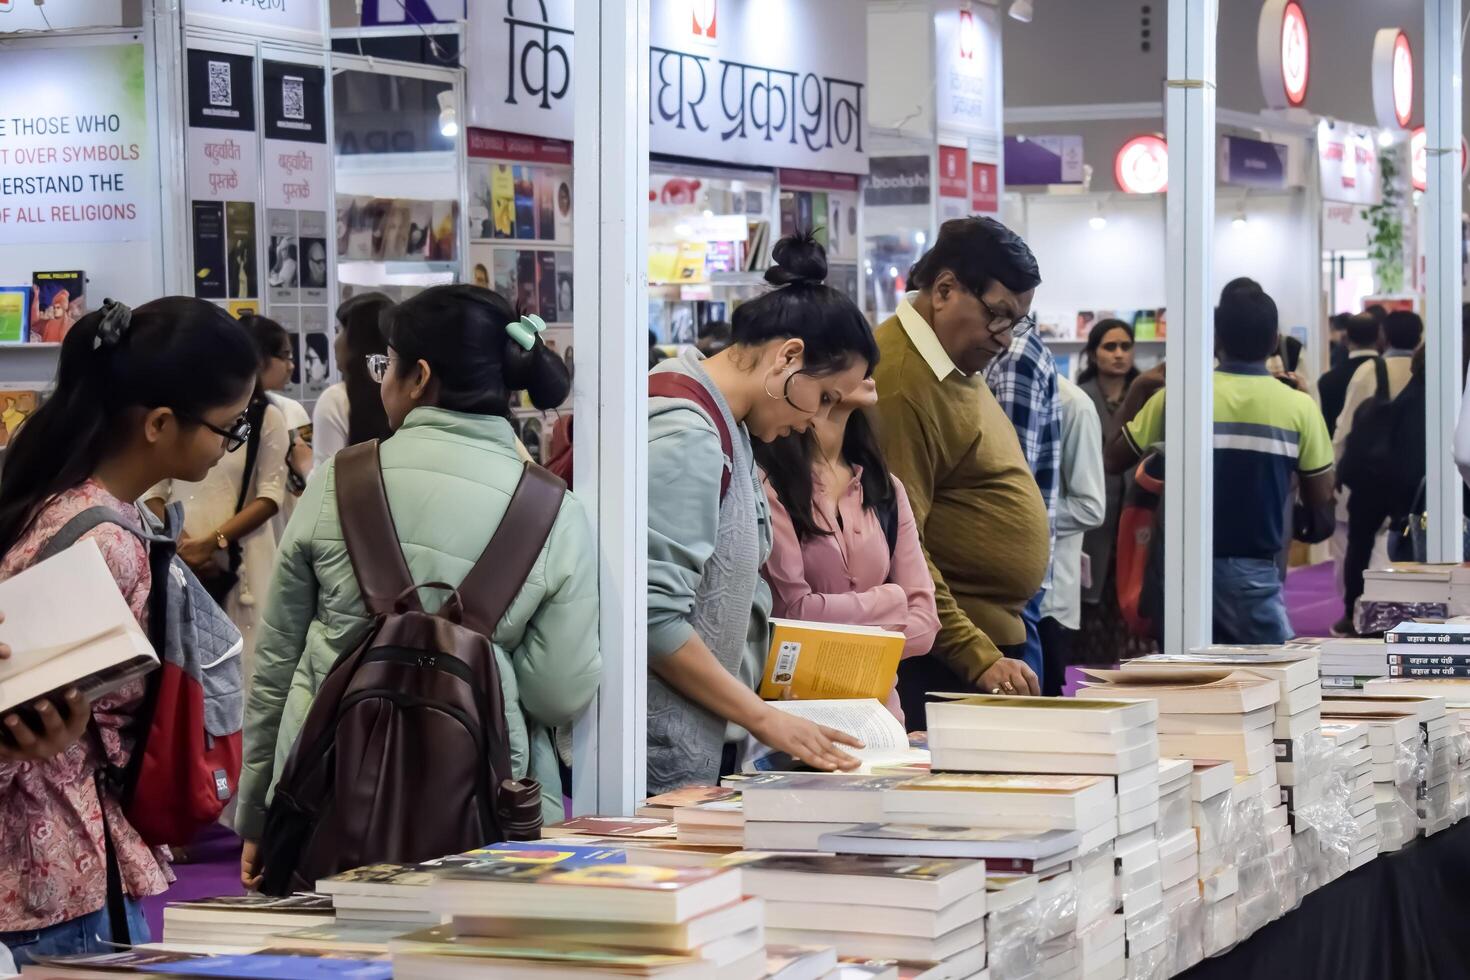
(84, 934)
(1250, 605)
(1031, 652)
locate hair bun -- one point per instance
(799, 259)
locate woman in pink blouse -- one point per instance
(141, 396)
(846, 548)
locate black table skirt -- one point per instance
(1404, 916)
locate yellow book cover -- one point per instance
(662, 261)
(502, 201)
(821, 661)
(690, 265)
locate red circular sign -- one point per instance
(1419, 158)
(1142, 165)
(1296, 56)
(1403, 79)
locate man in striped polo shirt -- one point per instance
(1267, 432)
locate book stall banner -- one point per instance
(968, 63)
(725, 82)
(74, 166)
(1347, 160)
(292, 20)
(223, 166)
(297, 160)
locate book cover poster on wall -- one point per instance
(316, 352)
(208, 227)
(241, 275)
(312, 226)
(58, 301)
(298, 172)
(283, 256)
(16, 405)
(76, 164)
(15, 314)
(535, 282)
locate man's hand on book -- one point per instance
(55, 735)
(1009, 676)
(250, 870)
(805, 741)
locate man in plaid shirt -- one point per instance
(1024, 382)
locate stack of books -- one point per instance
(242, 920)
(1346, 664)
(1425, 650)
(1408, 591)
(1140, 880)
(993, 733)
(1212, 786)
(518, 920)
(719, 822)
(1013, 927)
(392, 894)
(1435, 726)
(1296, 721)
(1002, 800)
(929, 911)
(1395, 743)
(664, 806)
(790, 811)
(1351, 742)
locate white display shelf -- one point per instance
(1069, 342)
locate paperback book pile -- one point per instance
(1436, 756)
(242, 920)
(1398, 758)
(993, 733)
(1212, 810)
(1354, 775)
(1013, 928)
(1179, 866)
(1428, 650)
(1300, 753)
(791, 811)
(922, 911)
(1345, 663)
(1140, 879)
(1407, 591)
(604, 920)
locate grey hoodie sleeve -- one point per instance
(684, 468)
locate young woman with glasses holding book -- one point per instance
(143, 395)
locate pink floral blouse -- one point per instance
(52, 863)
(846, 577)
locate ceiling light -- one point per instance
(448, 115)
(893, 272)
(920, 238)
(1385, 138)
(1239, 221)
(1099, 220)
(1021, 10)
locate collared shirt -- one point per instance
(1024, 382)
(1264, 433)
(1081, 504)
(922, 336)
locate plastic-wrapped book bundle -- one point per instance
(1335, 831)
(1186, 911)
(1012, 933)
(1147, 935)
(1056, 906)
(1399, 770)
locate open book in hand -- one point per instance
(68, 626)
(885, 743)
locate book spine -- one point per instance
(1429, 660)
(1428, 639)
(1429, 670)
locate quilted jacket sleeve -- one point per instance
(289, 610)
(559, 662)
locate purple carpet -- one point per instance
(1312, 599)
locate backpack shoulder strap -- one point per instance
(667, 384)
(1380, 373)
(72, 531)
(367, 528)
(496, 578)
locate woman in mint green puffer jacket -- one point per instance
(450, 469)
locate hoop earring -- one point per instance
(766, 387)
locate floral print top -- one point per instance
(52, 864)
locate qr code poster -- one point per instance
(295, 102)
(221, 90)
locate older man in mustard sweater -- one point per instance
(981, 516)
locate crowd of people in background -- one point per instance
(936, 477)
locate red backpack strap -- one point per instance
(368, 529)
(668, 384)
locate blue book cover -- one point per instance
(559, 852)
(270, 966)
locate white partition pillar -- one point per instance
(1189, 480)
(610, 86)
(1443, 240)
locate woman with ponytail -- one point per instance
(350, 411)
(455, 356)
(141, 396)
(797, 353)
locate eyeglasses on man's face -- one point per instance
(1001, 321)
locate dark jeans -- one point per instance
(917, 676)
(84, 934)
(1056, 654)
(1032, 649)
(1362, 534)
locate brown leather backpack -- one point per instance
(404, 755)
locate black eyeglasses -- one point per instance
(234, 437)
(1001, 322)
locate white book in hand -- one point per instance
(68, 625)
(885, 743)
